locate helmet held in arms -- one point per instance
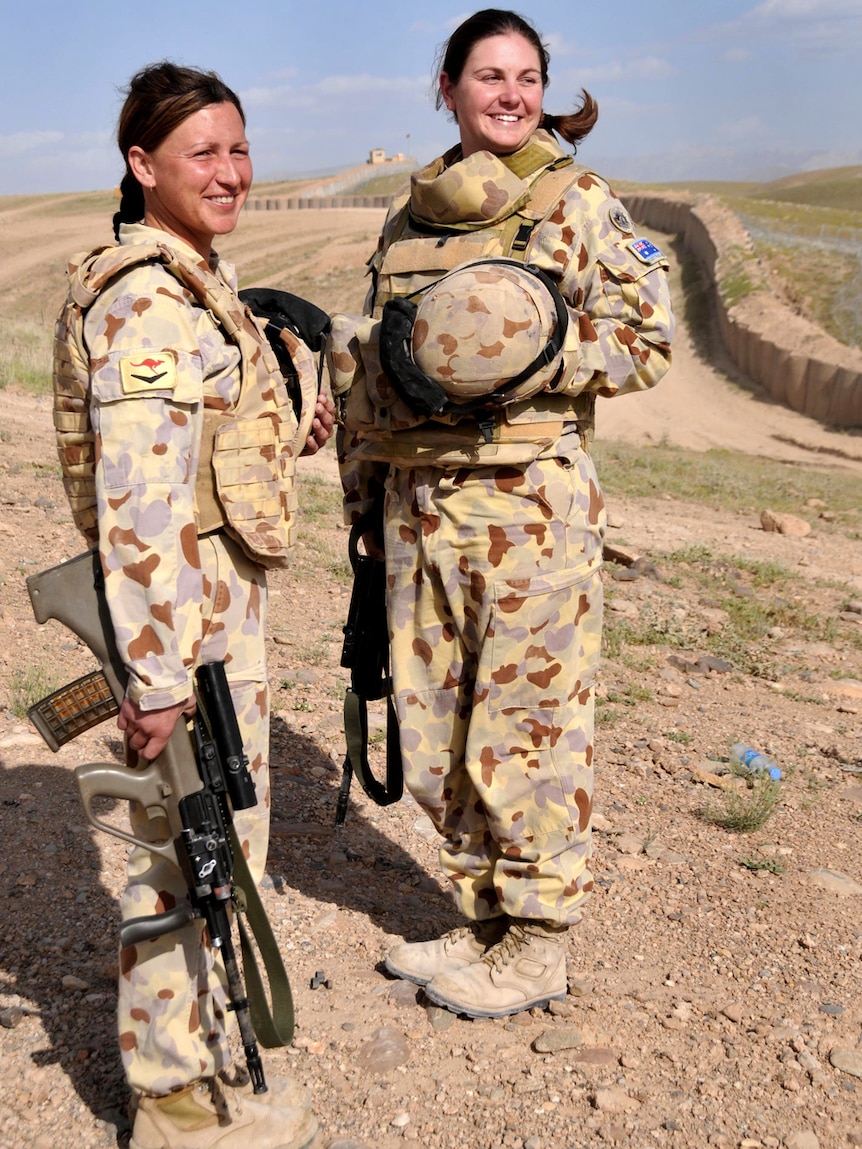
(490, 329)
(488, 333)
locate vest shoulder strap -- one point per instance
(549, 187)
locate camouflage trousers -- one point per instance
(172, 1019)
(495, 614)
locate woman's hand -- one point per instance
(147, 731)
(321, 427)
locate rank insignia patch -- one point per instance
(645, 251)
(148, 371)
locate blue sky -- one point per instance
(718, 89)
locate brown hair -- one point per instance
(159, 98)
(452, 56)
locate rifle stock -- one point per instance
(73, 594)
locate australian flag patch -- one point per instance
(645, 251)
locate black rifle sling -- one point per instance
(356, 736)
(366, 654)
(272, 1021)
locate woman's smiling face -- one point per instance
(196, 181)
(497, 100)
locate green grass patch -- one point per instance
(25, 356)
(390, 183)
(746, 810)
(767, 864)
(30, 686)
(754, 596)
(722, 480)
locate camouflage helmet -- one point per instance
(489, 332)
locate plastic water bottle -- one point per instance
(753, 761)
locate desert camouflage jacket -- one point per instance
(536, 205)
(161, 370)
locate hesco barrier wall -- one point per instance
(295, 203)
(792, 358)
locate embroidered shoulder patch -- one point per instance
(621, 219)
(148, 371)
(645, 251)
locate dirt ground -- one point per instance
(715, 980)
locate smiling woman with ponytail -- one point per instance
(493, 513)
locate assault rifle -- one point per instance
(196, 783)
(365, 653)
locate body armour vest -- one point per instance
(460, 211)
(246, 471)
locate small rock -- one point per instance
(847, 1060)
(832, 1009)
(629, 844)
(21, 740)
(805, 1139)
(555, 1040)
(403, 993)
(11, 1018)
(384, 1051)
(440, 1019)
(598, 1056)
(785, 524)
(846, 687)
(614, 1100)
(72, 982)
(836, 883)
(401, 1120)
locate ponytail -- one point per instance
(574, 126)
(131, 203)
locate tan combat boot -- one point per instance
(203, 1115)
(419, 962)
(526, 968)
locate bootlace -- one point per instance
(506, 948)
(457, 934)
(226, 1096)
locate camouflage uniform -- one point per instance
(493, 541)
(160, 366)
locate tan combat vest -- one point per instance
(246, 471)
(412, 256)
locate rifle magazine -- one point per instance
(73, 708)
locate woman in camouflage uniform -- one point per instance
(184, 555)
(494, 519)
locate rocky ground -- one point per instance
(715, 981)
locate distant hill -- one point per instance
(836, 188)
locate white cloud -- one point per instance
(23, 143)
(815, 26)
(310, 96)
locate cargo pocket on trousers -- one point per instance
(544, 640)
